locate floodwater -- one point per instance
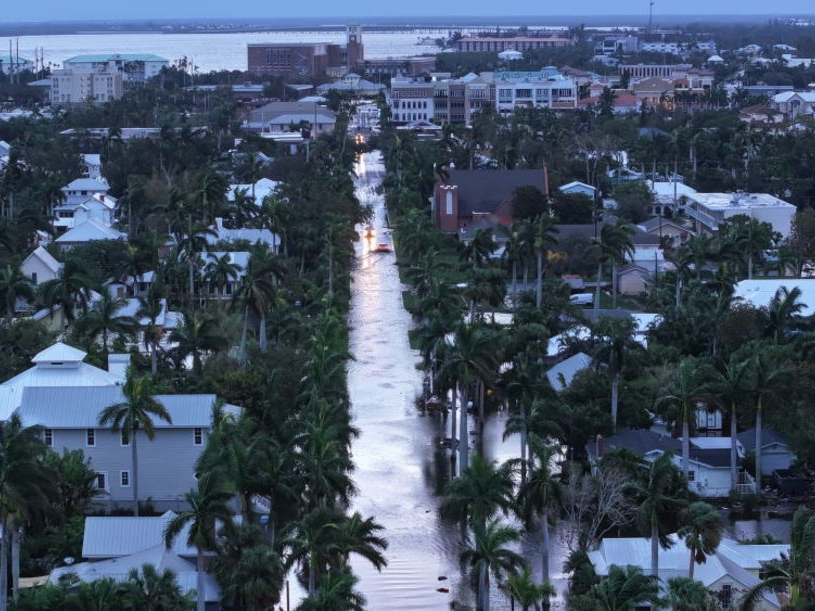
(401, 466)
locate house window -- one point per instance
(125, 439)
(48, 437)
(90, 438)
(101, 480)
(691, 476)
(726, 595)
(124, 479)
(33, 277)
(198, 436)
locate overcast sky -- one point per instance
(59, 10)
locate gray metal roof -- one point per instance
(561, 375)
(79, 407)
(113, 537)
(768, 436)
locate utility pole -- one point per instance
(650, 19)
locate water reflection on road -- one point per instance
(401, 468)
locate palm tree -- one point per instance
(614, 245)
(150, 309)
(784, 312)
(104, 319)
(311, 541)
(150, 590)
(623, 589)
(544, 230)
(200, 333)
(523, 589)
(770, 378)
(513, 254)
(540, 495)
(751, 238)
(469, 360)
(483, 488)
(687, 387)
(702, 532)
(256, 293)
(220, 271)
(139, 412)
(190, 244)
(69, 291)
(13, 287)
(208, 505)
(360, 536)
(25, 488)
(686, 594)
(657, 502)
(490, 556)
(478, 250)
(616, 341)
(729, 385)
(336, 593)
(792, 574)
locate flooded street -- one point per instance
(401, 468)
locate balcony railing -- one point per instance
(702, 217)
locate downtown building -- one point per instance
(307, 59)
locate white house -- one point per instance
(134, 67)
(40, 266)
(794, 104)
(561, 375)
(112, 545)
(92, 166)
(711, 209)
(259, 190)
(79, 190)
(248, 234)
(759, 293)
(775, 450)
(709, 460)
(578, 188)
(728, 574)
(58, 365)
(100, 207)
(89, 231)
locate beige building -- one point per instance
(77, 87)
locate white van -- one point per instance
(582, 299)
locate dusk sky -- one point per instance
(58, 10)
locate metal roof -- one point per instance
(79, 407)
(760, 293)
(561, 375)
(47, 259)
(108, 57)
(87, 184)
(59, 352)
(768, 437)
(88, 231)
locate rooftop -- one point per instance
(759, 293)
(483, 190)
(721, 201)
(110, 57)
(88, 231)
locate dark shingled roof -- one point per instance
(481, 191)
(768, 436)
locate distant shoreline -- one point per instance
(242, 26)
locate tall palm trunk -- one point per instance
(526, 275)
(16, 533)
(758, 445)
(615, 390)
(614, 284)
(539, 285)
(4, 568)
(312, 576)
(523, 442)
(463, 444)
(453, 427)
(242, 349)
(514, 282)
(597, 290)
(685, 443)
(262, 334)
(545, 546)
(691, 564)
(483, 587)
(654, 546)
(154, 359)
(199, 581)
(191, 279)
(734, 469)
(135, 464)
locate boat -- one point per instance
(383, 247)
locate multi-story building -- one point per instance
(533, 90)
(79, 87)
(307, 59)
(411, 100)
(611, 45)
(674, 48)
(12, 64)
(135, 68)
(518, 43)
(399, 66)
(709, 210)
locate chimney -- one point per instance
(598, 446)
(118, 365)
(546, 180)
